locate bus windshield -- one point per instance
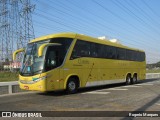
(32, 64)
(53, 56)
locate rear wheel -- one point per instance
(134, 79)
(72, 86)
(128, 79)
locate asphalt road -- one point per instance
(143, 96)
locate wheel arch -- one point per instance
(128, 73)
(135, 73)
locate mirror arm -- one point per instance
(41, 48)
(17, 51)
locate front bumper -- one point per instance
(35, 85)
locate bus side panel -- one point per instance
(53, 79)
(111, 71)
(77, 67)
(143, 71)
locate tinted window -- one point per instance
(102, 51)
(121, 53)
(141, 56)
(111, 52)
(135, 56)
(65, 42)
(95, 50)
(128, 55)
(55, 54)
(81, 49)
(89, 49)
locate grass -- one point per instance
(8, 76)
(153, 71)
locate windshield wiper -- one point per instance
(37, 71)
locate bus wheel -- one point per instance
(134, 79)
(72, 86)
(128, 79)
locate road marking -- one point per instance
(145, 84)
(157, 103)
(19, 93)
(95, 92)
(154, 82)
(116, 89)
(132, 86)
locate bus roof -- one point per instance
(69, 35)
(82, 37)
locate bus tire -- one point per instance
(134, 79)
(72, 86)
(128, 79)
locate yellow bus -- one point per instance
(68, 61)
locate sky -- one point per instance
(135, 23)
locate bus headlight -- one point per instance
(38, 79)
(34, 80)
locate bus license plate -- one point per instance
(26, 87)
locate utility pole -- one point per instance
(16, 27)
(5, 36)
(26, 23)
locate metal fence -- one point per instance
(9, 87)
(152, 75)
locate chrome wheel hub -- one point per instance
(72, 85)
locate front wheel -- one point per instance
(72, 86)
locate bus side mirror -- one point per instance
(41, 48)
(17, 51)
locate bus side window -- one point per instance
(94, 50)
(129, 55)
(76, 53)
(101, 51)
(121, 54)
(81, 49)
(111, 52)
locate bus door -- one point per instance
(52, 63)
